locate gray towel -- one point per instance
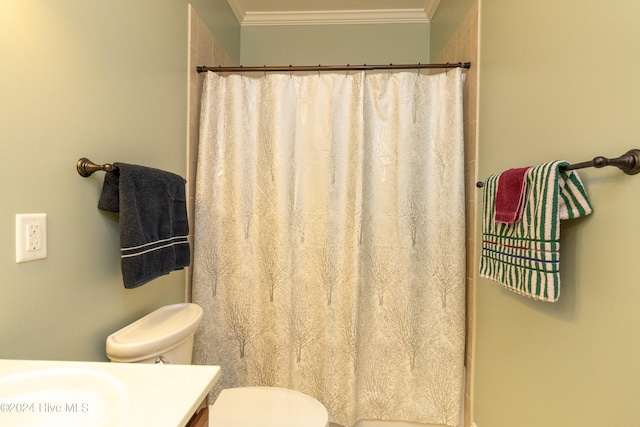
(153, 221)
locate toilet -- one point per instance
(166, 336)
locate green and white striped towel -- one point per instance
(524, 256)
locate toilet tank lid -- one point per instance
(158, 330)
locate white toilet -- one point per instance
(166, 336)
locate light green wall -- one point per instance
(445, 22)
(335, 44)
(558, 80)
(105, 80)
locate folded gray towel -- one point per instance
(153, 221)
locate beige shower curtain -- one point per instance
(330, 239)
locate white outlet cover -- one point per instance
(23, 221)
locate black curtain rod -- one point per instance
(628, 163)
(347, 67)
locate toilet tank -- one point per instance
(162, 336)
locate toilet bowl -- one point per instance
(266, 407)
(166, 336)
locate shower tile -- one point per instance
(203, 49)
(463, 46)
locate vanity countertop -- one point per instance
(36, 393)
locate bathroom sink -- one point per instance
(62, 396)
(101, 394)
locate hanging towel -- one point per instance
(524, 256)
(153, 221)
(511, 195)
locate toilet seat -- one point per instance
(266, 407)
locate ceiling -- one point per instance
(316, 12)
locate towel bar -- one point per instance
(628, 163)
(86, 167)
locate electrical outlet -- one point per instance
(34, 238)
(31, 237)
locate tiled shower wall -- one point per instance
(204, 50)
(463, 47)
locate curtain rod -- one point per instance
(347, 67)
(628, 163)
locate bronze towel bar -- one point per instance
(86, 167)
(628, 163)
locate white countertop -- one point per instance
(96, 394)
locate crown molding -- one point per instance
(335, 17)
(373, 16)
(237, 6)
(430, 8)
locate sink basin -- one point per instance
(96, 394)
(62, 396)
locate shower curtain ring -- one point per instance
(265, 70)
(419, 68)
(290, 71)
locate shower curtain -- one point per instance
(329, 239)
